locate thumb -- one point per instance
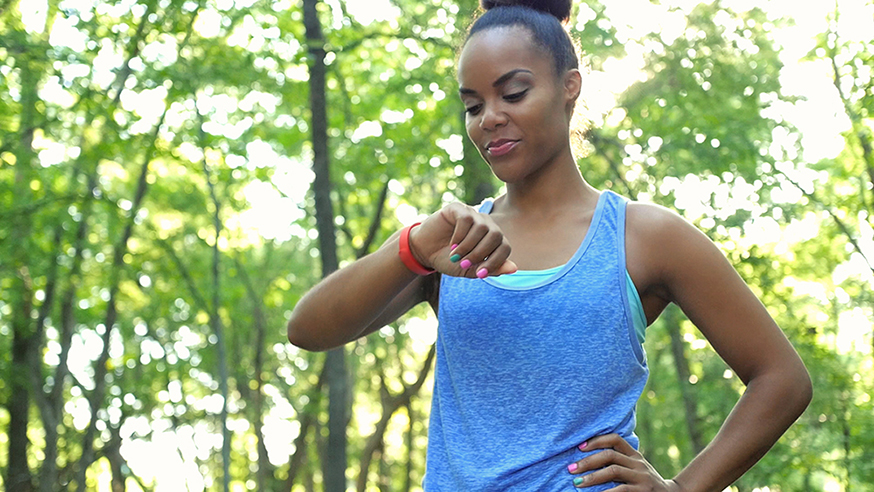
(507, 268)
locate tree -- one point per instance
(157, 195)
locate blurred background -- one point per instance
(175, 174)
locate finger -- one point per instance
(601, 459)
(489, 253)
(463, 223)
(476, 232)
(614, 441)
(467, 233)
(612, 473)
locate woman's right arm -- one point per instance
(377, 289)
(356, 300)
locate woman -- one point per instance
(539, 361)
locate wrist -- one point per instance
(674, 486)
(408, 254)
(414, 235)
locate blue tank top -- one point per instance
(525, 374)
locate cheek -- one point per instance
(472, 128)
(542, 119)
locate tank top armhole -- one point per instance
(627, 284)
(637, 314)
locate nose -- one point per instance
(493, 117)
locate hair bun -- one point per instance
(560, 9)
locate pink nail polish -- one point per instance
(465, 264)
(572, 467)
(482, 273)
(583, 445)
(453, 247)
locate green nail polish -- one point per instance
(454, 258)
(578, 481)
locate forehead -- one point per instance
(491, 53)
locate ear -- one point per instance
(572, 85)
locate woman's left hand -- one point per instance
(618, 462)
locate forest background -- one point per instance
(175, 174)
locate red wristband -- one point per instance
(407, 255)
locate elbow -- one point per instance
(800, 390)
(300, 335)
(787, 388)
(803, 385)
(805, 389)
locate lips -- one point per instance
(497, 148)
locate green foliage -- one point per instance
(212, 93)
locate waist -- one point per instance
(509, 470)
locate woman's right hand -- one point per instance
(480, 248)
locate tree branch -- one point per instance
(390, 404)
(215, 319)
(855, 118)
(307, 419)
(843, 227)
(374, 223)
(260, 323)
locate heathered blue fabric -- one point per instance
(528, 278)
(524, 375)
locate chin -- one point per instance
(508, 176)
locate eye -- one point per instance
(516, 96)
(472, 110)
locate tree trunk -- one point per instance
(390, 404)
(264, 468)
(384, 475)
(334, 462)
(215, 320)
(847, 442)
(100, 366)
(51, 407)
(690, 400)
(410, 436)
(307, 418)
(52, 410)
(116, 461)
(24, 340)
(18, 477)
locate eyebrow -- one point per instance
(500, 80)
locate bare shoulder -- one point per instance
(655, 222)
(663, 248)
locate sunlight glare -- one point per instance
(423, 331)
(33, 15)
(370, 11)
(854, 332)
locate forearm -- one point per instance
(342, 306)
(770, 404)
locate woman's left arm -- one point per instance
(686, 268)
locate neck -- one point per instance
(551, 189)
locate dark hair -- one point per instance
(542, 19)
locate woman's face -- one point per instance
(517, 109)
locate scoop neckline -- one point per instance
(486, 208)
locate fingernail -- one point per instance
(578, 481)
(583, 445)
(453, 247)
(464, 264)
(482, 273)
(572, 467)
(455, 258)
